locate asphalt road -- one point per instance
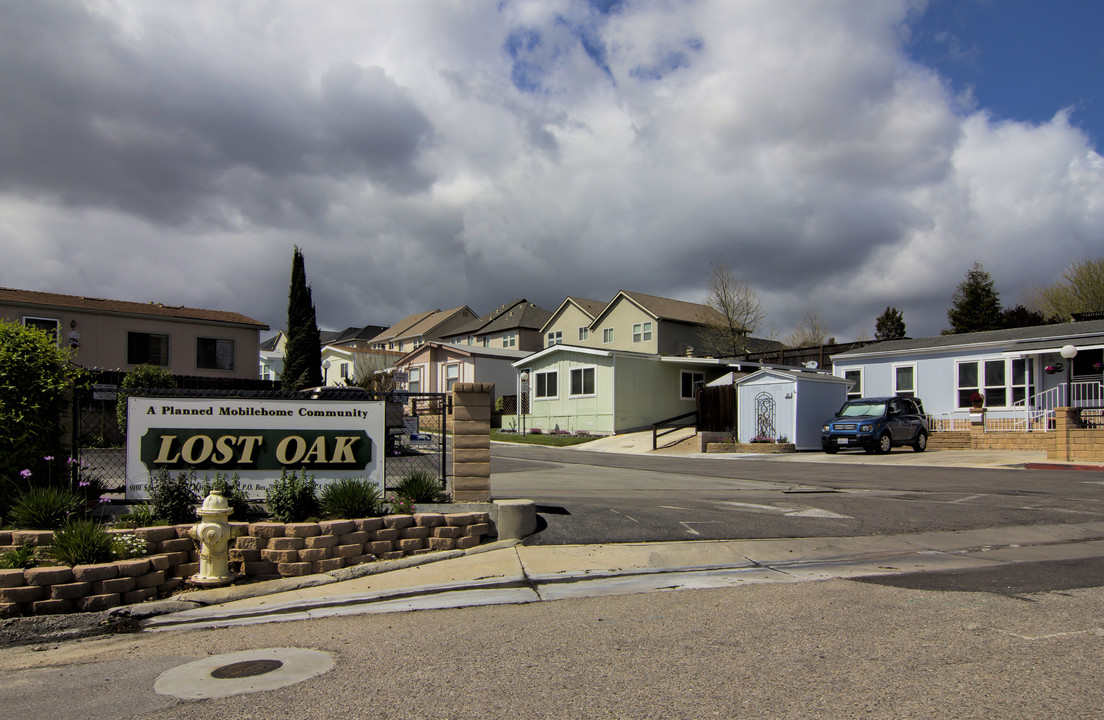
(588, 497)
(830, 649)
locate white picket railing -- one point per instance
(1035, 414)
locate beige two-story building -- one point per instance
(118, 334)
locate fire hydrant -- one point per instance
(213, 533)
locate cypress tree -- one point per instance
(976, 304)
(303, 351)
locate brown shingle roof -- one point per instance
(678, 310)
(11, 296)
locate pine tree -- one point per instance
(303, 351)
(890, 325)
(976, 304)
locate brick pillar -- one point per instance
(471, 441)
(977, 430)
(1065, 419)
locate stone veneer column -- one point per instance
(471, 441)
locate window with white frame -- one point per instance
(689, 381)
(50, 326)
(545, 385)
(582, 381)
(642, 332)
(584, 333)
(1003, 382)
(414, 380)
(452, 376)
(607, 335)
(486, 341)
(344, 371)
(214, 354)
(509, 339)
(856, 390)
(904, 380)
(554, 338)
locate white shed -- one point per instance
(790, 403)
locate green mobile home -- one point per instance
(575, 388)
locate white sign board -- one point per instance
(257, 439)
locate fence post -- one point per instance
(471, 442)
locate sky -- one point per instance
(839, 155)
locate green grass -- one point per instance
(551, 440)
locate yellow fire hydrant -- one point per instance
(213, 533)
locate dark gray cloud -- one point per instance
(428, 155)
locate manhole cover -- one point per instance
(247, 671)
(248, 668)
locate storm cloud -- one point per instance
(429, 154)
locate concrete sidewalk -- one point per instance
(525, 574)
(685, 443)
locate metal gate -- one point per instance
(417, 427)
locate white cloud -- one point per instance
(434, 154)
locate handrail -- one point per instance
(655, 426)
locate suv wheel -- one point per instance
(885, 443)
(921, 443)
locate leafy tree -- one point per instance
(303, 350)
(1020, 316)
(1081, 289)
(739, 313)
(976, 303)
(36, 377)
(810, 330)
(890, 325)
(141, 376)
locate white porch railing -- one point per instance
(1035, 414)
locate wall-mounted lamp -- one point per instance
(74, 336)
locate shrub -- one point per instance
(35, 376)
(401, 505)
(292, 498)
(231, 489)
(141, 516)
(21, 557)
(421, 487)
(173, 499)
(141, 376)
(351, 498)
(82, 542)
(45, 508)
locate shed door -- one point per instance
(766, 411)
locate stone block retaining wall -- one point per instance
(261, 550)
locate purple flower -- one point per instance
(71, 461)
(104, 499)
(48, 458)
(25, 473)
(83, 483)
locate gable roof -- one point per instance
(590, 308)
(418, 324)
(663, 308)
(466, 351)
(11, 296)
(514, 315)
(1029, 338)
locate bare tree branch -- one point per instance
(739, 306)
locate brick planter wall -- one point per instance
(262, 550)
(761, 448)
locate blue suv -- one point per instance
(877, 425)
